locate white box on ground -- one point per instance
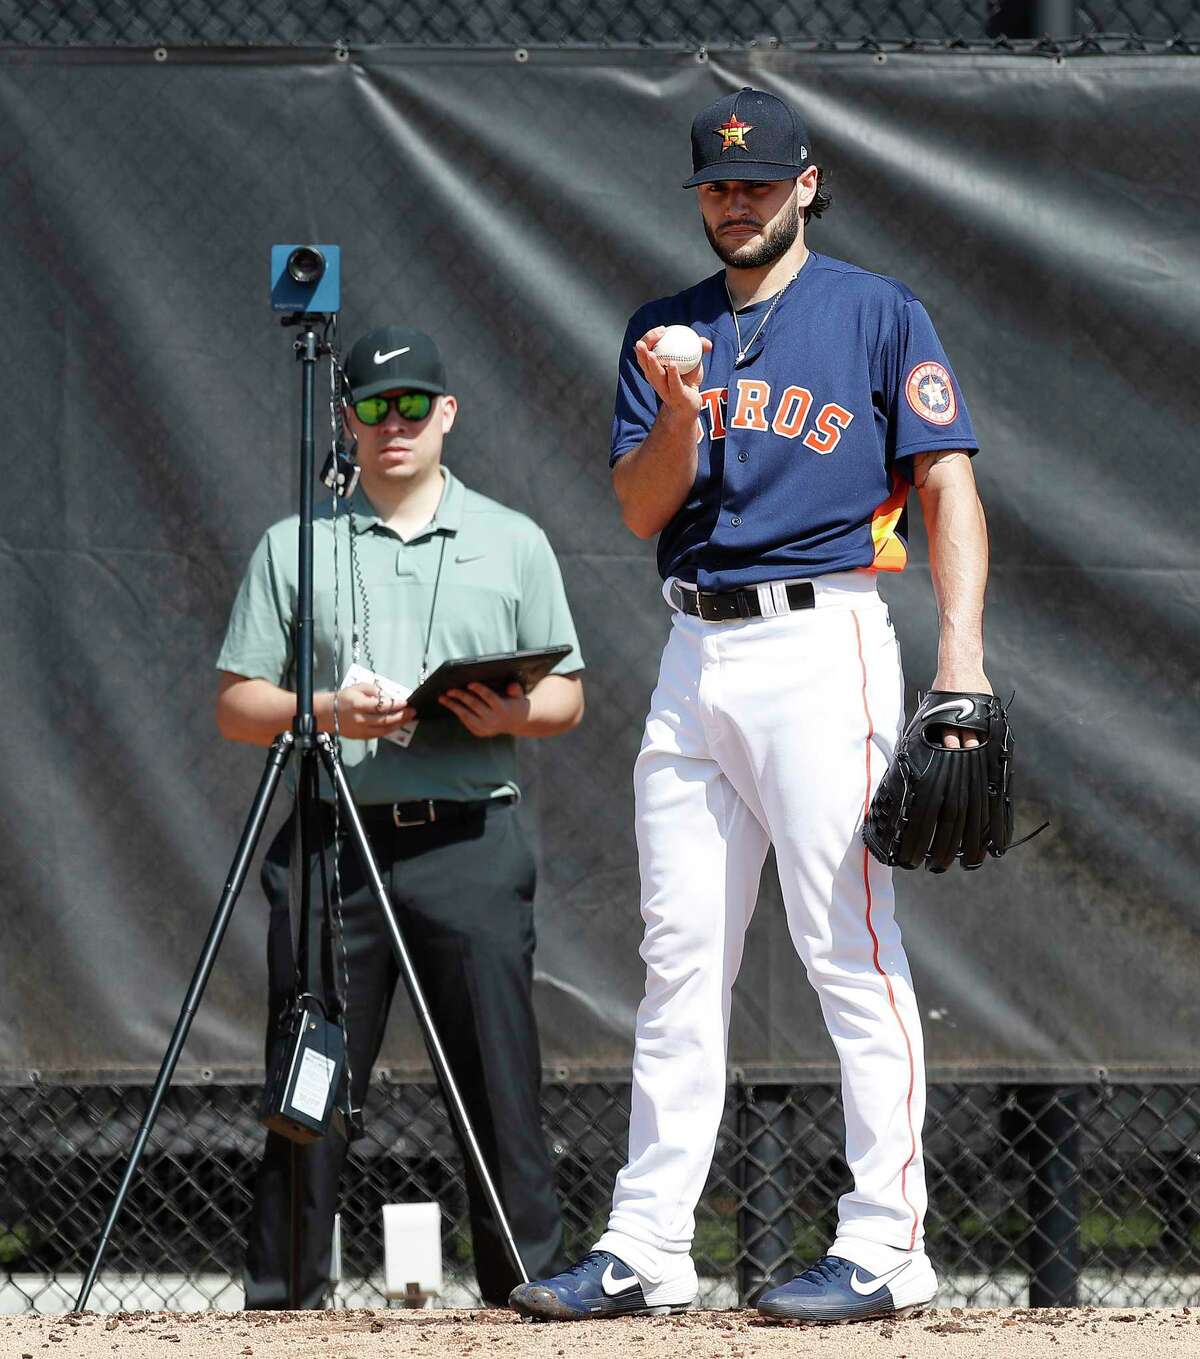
(412, 1248)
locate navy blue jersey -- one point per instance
(805, 447)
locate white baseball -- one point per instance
(680, 347)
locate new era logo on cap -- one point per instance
(748, 135)
(391, 358)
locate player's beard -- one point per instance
(773, 246)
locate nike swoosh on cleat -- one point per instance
(874, 1285)
(623, 1285)
(391, 354)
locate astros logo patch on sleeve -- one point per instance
(930, 393)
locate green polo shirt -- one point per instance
(500, 590)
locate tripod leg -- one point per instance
(437, 1054)
(276, 759)
(310, 957)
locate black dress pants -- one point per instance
(463, 895)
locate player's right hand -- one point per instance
(364, 712)
(681, 392)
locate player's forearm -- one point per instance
(958, 563)
(555, 705)
(653, 480)
(256, 711)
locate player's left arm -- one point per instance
(958, 563)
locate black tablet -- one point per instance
(497, 672)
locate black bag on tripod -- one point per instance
(306, 1065)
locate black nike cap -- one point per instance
(748, 135)
(394, 357)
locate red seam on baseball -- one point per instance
(912, 1070)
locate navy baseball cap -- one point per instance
(748, 135)
(394, 357)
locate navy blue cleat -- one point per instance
(835, 1290)
(599, 1285)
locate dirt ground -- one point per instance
(949, 1333)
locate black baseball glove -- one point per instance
(935, 805)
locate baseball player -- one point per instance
(775, 475)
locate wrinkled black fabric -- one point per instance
(1043, 212)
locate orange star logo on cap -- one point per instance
(733, 132)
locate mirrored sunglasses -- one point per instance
(409, 406)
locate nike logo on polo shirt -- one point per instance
(470, 556)
(869, 1286)
(613, 1286)
(391, 354)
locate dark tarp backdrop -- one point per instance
(1044, 210)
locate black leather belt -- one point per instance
(427, 812)
(727, 605)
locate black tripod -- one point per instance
(316, 750)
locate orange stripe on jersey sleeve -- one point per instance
(890, 552)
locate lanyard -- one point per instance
(359, 594)
(437, 580)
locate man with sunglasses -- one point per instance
(427, 570)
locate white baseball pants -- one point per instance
(770, 731)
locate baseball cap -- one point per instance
(748, 135)
(394, 356)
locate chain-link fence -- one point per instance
(603, 22)
(1038, 1194)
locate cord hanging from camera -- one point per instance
(341, 485)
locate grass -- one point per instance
(1140, 1230)
(1100, 1229)
(15, 1242)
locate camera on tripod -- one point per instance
(306, 1065)
(306, 279)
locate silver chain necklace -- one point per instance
(744, 348)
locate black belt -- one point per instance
(727, 605)
(427, 812)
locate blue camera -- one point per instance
(306, 278)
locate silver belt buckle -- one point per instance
(422, 821)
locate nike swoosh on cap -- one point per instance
(391, 354)
(874, 1285)
(623, 1285)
